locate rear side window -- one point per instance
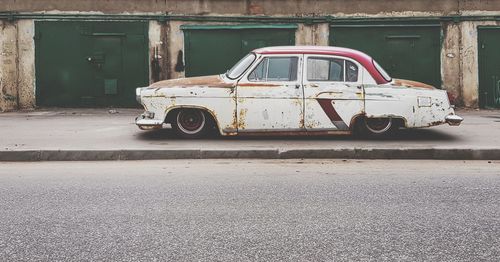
(325, 69)
(275, 69)
(331, 69)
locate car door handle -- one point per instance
(313, 85)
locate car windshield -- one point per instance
(381, 70)
(241, 66)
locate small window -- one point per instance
(275, 69)
(331, 69)
(241, 66)
(351, 71)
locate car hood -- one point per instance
(411, 84)
(200, 81)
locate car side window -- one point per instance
(331, 69)
(275, 69)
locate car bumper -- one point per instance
(453, 120)
(145, 123)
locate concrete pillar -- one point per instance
(317, 34)
(26, 67)
(158, 41)
(175, 38)
(9, 96)
(450, 62)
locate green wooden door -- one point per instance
(405, 51)
(489, 67)
(82, 64)
(214, 50)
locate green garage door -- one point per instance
(215, 49)
(489, 67)
(90, 63)
(406, 51)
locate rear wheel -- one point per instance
(376, 127)
(190, 123)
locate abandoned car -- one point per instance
(295, 90)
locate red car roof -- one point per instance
(359, 56)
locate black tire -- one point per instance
(190, 123)
(376, 127)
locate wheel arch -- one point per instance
(399, 120)
(170, 114)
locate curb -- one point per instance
(355, 153)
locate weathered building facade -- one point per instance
(74, 53)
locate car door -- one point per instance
(270, 96)
(333, 92)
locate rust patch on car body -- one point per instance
(410, 83)
(200, 81)
(241, 118)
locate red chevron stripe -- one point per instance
(327, 106)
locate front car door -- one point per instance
(333, 92)
(270, 96)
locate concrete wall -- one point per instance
(268, 7)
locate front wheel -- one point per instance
(190, 123)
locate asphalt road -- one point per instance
(235, 210)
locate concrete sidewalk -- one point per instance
(97, 134)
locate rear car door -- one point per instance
(333, 92)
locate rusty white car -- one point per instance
(306, 90)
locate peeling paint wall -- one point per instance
(450, 61)
(158, 42)
(8, 66)
(26, 64)
(242, 7)
(17, 65)
(316, 34)
(175, 38)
